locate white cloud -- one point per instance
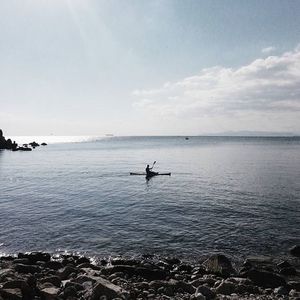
(268, 49)
(270, 85)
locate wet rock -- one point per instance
(66, 272)
(77, 286)
(7, 274)
(84, 278)
(49, 293)
(172, 260)
(184, 268)
(205, 291)
(295, 250)
(70, 291)
(105, 288)
(198, 296)
(44, 144)
(11, 294)
(55, 280)
(26, 290)
(54, 265)
(283, 264)
(288, 271)
(33, 257)
(294, 285)
(219, 264)
(265, 279)
(281, 291)
(225, 288)
(26, 269)
(147, 273)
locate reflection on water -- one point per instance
(234, 195)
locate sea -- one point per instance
(234, 195)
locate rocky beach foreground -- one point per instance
(39, 275)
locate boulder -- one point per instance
(265, 279)
(49, 293)
(105, 288)
(7, 144)
(295, 250)
(205, 291)
(26, 290)
(11, 294)
(55, 280)
(219, 264)
(26, 269)
(54, 265)
(33, 257)
(225, 288)
(147, 273)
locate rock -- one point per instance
(245, 288)
(34, 257)
(34, 144)
(225, 288)
(70, 291)
(7, 144)
(219, 264)
(205, 291)
(283, 264)
(83, 278)
(82, 260)
(281, 291)
(105, 288)
(54, 265)
(288, 271)
(147, 273)
(295, 251)
(199, 296)
(66, 272)
(184, 268)
(265, 279)
(11, 294)
(26, 290)
(294, 285)
(172, 260)
(55, 280)
(49, 293)
(21, 268)
(183, 286)
(77, 286)
(44, 144)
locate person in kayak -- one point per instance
(149, 171)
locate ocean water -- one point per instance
(236, 195)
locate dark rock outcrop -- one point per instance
(295, 251)
(219, 264)
(7, 144)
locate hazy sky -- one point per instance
(80, 67)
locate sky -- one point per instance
(140, 67)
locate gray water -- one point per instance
(233, 195)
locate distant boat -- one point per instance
(187, 138)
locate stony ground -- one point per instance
(42, 276)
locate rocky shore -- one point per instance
(8, 144)
(40, 275)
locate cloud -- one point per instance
(269, 85)
(268, 50)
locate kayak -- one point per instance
(154, 174)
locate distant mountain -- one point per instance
(253, 133)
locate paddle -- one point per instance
(153, 164)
